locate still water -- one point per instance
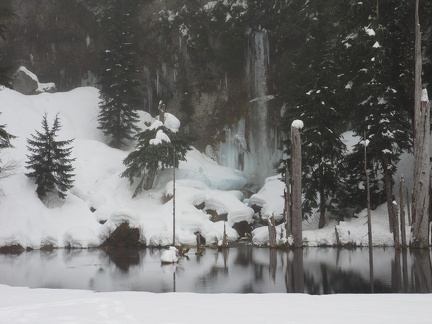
(237, 270)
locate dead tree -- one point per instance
(296, 168)
(402, 212)
(272, 231)
(287, 195)
(420, 213)
(161, 109)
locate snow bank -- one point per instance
(270, 198)
(78, 306)
(99, 194)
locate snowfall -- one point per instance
(100, 200)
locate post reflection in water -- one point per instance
(237, 270)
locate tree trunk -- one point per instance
(388, 184)
(161, 109)
(402, 212)
(287, 194)
(272, 231)
(321, 223)
(149, 180)
(296, 168)
(420, 214)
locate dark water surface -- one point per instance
(237, 270)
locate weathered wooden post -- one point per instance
(272, 231)
(296, 168)
(287, 195)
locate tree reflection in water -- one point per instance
(244, 269)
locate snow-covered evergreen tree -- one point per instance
(374, 85)
(119, 93)
(318, 107)
(157, 147)
(49, 160)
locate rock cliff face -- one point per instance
(57, 40)
(209, 61)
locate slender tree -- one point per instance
(421, 182)
(372, 83)
(316, 104)
(49, 160)
(297, 217)
(119, 93)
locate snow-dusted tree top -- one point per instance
(297, 124)
(425, 97)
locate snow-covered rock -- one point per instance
(27, 83)
(170, 255)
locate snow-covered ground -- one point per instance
(26, 221)
(24, 305)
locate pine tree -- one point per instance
(375, 85)
(317, 106)
(118, 76)
(157, 148)
(49, 161)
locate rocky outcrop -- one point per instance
(123, 237)
(28, 83)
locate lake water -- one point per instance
(243, 269)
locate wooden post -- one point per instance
(367, 192)
(287, 194)
(272, 231)
(402, 212)
(296, 168)
(420, 212)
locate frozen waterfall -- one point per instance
(251, 144)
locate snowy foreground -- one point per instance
(26, 305)
(100, 195)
